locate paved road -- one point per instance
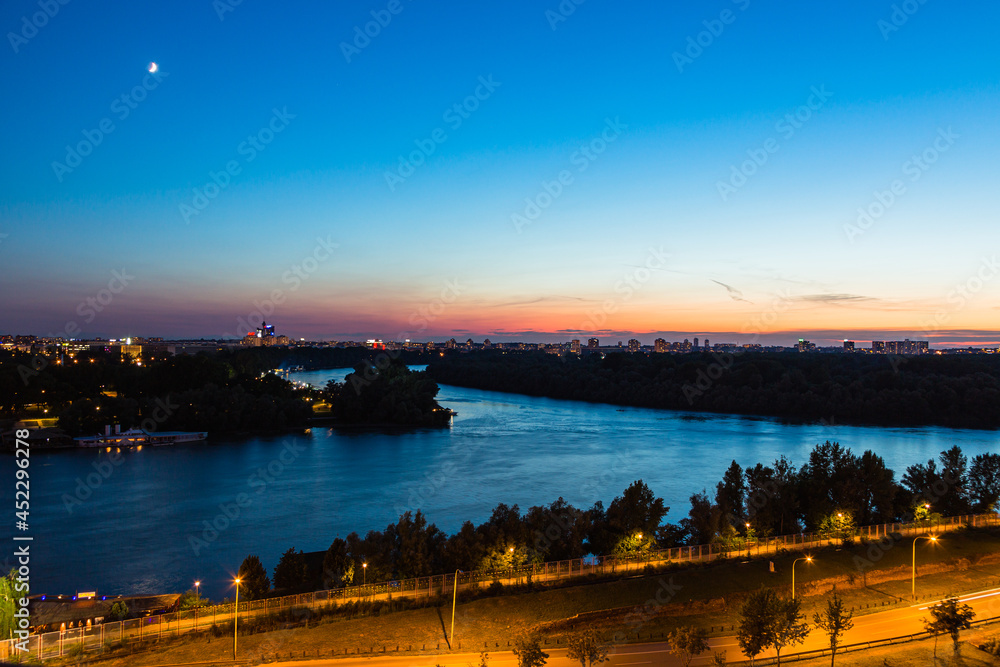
(867, 628)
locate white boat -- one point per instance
(136, 437)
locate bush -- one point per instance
(991, 645)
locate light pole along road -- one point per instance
(867, 628)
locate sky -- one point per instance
(740, 170)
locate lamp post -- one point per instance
(510, 576)
(807, 559)
(236, 616)
(454, 597)
(748, 540)
(913, 588)
(364, 573)
(197, 591)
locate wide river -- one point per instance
(141, 526)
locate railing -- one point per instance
(96, 637)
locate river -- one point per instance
(136, 521)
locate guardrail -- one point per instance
(96, 637)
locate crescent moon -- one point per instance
(152, 67)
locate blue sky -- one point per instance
(775, 254)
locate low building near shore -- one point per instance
(62, 612)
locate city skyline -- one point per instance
(735, 171)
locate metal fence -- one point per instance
(97, 637)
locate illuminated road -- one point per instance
(868, 628)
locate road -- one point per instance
(867, 628)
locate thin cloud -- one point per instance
(543, 299)
(834, 298)
(734, 294)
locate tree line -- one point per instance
(223, 392)
(386, 392)
(951, 390)
(832, 493)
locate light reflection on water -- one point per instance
(134, 532)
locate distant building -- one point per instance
(696, 343)
(806, 346)
(660, 346)
(878, 347)
(906, 346)
(707, 346)
(594, 343)
(848, 345)
(574, 346)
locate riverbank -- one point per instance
(951, 391)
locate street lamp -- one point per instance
(454, 597)
(364, 573)
(913, 588)
(197, 591)
(236, 616)
(748, 539)
(807, 559)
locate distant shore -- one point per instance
(949, 391)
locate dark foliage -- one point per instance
(392, 394)
(956, 391)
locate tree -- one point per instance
(757, 621)
(637, 510)
(954, 465)
(877, 488)
(687, 642)
(528, 649)
(9, 595)
(587, 647)
(253, 578)
(835, 620)
(839, 525)
(417, 547)
(767, 621)
(730, 495)
(790, 627)
(947, 490)
(338, 567)
(830, 480)
(291, 573)
(984, 482)
(702, 522)
(950, 617)
(118, 612)
(191, 599)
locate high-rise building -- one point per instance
(806, 346)
(574, 346)
(707, 346)
(634, 345)
(878, 347)
(594, 343)
(848, 345)
(696, 343)
(265, 330)
(660, 345)
(906, 346)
